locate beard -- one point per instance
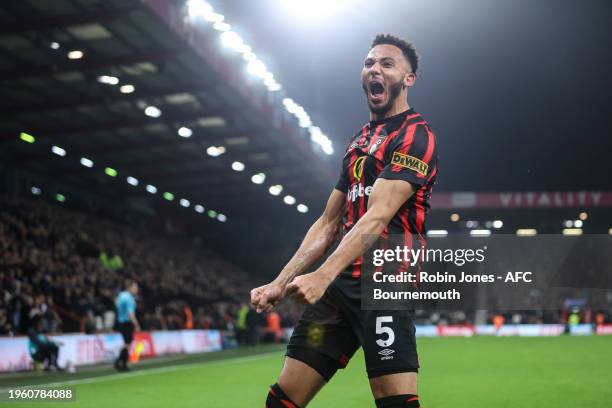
(393, 92)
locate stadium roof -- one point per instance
(139, 88)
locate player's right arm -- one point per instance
(317, 241)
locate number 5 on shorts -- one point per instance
(384, 330)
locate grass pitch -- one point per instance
(456, 372)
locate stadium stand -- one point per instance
(51, 268)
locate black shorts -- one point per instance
(335, 327)
(127, 331)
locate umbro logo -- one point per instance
(386, 354)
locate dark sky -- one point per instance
(517, 92)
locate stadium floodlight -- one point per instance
(471, 224)
(36, 190)
(221, 217)
(583, 216)
(199, 208)
(58, 150)
(578, 223)
(526, 232)
(152, 111)
(232, 40)
(455, 217)
(497, 224)
(249, 56)
(275, 189)
(132, 181)
(198, 8)
(214, 17)
(151, 189)
(184, 202)
(27, 137)
(572, 231)
(289, 200)
(257, 68)
(87, 162)
(437, 233)
(302, 208)
(75, 54)
(212, 213)
(168, 196)
(222, 26)
(185, 132)
(258, 178)
(215, 151)
(238, 166)
(480, 233)
(127, 89)
(110, 172)
(318, 137)
(60, 197)
(107, 79)
(54, 45)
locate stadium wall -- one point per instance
(84, 349)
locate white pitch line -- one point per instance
(139, 373)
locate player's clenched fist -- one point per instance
(308, 288)
(265, 297)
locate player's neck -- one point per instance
(397, 108)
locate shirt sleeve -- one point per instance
(411, 156)
(343, 183)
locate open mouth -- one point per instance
(376, 89)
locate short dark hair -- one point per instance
(407, 48)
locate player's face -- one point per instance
(384, 75)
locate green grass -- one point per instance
(455, 372)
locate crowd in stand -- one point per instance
(66, 267)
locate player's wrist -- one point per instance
(326, 275)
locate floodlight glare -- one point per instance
(127, 89)
(152, 111)
(275, 189)
(258, 178)
(58, 150)
(289, 200)
(185, 132)
(238, 166)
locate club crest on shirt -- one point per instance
(410, 162)
(377, 144)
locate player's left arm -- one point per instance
(385, 200)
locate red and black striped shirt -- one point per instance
(401, 147)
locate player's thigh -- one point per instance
(323, 341)
(389, 346)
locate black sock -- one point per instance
(278, 399)
(399, 401)
(123, 357)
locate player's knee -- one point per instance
(399, 401)
(278, 399)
